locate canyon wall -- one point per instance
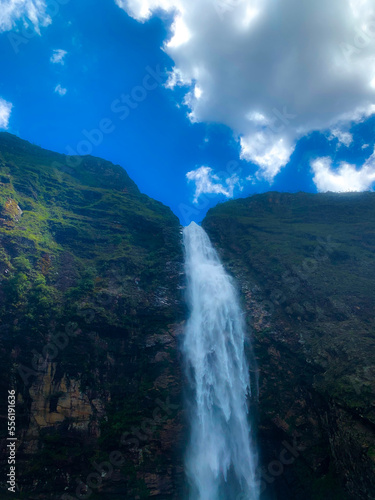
(305, 268)
(91, 315)
(91, 311)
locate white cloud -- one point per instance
(181, 33)
(60, 90)
(269, 151)
(58, 56)
(29, 11)
(5, 111)
(206, 182)
(345, 138)
(346, 177)
(250, 14)
(142, 9)
(256, 62)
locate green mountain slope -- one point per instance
(89, 269)
(91, 310)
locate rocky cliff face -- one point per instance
(91, 312)
(90, 273)
(305, 267)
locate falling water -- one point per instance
(221, 458)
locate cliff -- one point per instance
(90, 310)
(305, 267)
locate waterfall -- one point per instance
(221, 458)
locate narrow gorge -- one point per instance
(239, 368)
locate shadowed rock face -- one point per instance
(91, 312)
(90, 272)
(305, 266)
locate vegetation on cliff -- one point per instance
(89, 269)
(90, 316)
(305, 263)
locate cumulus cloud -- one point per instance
(270, 152)
(58, 56)
(206, 182)
(5, 111)
(60, 90)
(346, 177)
(272, 71)
(30, 11)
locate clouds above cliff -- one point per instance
(206, 182)
(254, 94)
(344, 178)
(271, 70)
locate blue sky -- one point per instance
(222, 128)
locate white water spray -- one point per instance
(221, 458)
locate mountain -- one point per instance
(305, 267)
(92, 309)
(90, 312)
